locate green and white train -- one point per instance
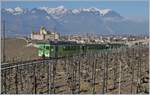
(63, 49)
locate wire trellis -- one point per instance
(113, 71)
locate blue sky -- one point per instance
(131, 9)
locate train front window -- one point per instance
(47, 47)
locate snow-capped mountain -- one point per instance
(15, 11)
(61, 10)
(57, 10)
(68, 21)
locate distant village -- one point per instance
(44, 34)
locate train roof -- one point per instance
(58, 42)
(73, 43)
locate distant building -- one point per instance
(44, 35)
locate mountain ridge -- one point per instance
(70, 21)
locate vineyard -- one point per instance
(113, 71)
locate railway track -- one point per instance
(15, 64)
(22, 63)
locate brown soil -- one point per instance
(16, 49)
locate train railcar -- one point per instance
(63, 49)
(59, 49)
